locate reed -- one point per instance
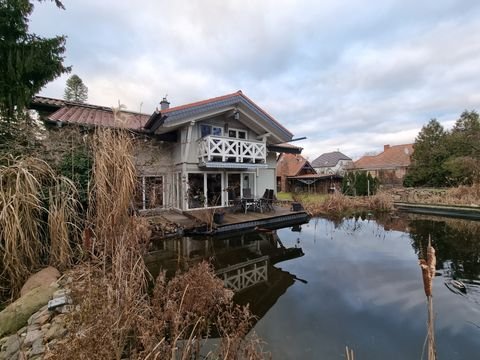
(63, 223)
(428, 273)
(30, 192)
(113, 186)
(338, 204)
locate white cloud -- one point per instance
(349, 75)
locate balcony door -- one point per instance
(238, 182)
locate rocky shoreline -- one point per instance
(43, 329)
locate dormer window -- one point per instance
(206, 129)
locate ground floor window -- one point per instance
(217, 188)
(150, 192)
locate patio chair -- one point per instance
(248, 202)
(271, 198)
(233, 201)
(267, 200)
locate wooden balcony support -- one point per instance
(241, 276)
(224, 149)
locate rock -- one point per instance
(39, 316)
(42, 278)
(33, 336)
(56, 331)
(22, 330)
(11, 347)
(61, 292)
(37, 348)
(15, 315)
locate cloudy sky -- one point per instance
(350, 75)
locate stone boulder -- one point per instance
(16, 315)
(42, 278)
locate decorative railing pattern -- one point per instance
(241, 276)
(224, 149)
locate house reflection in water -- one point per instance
(245, 263)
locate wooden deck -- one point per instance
(193, 222)
(240, 221)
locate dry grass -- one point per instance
(381, 202)
(114, 182)
(338, 204)
(461, 195)
(38, 220)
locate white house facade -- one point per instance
(196, 155)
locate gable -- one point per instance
(293, 165)
(230, 106)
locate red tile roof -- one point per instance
(99, 116)
(292, 165)
(42, 100)
(392, 157)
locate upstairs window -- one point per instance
(206, 129)
(238, 134)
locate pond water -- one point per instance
(319, 287)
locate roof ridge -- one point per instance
(88, 105)
(200, 102)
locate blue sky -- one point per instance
(350, 75)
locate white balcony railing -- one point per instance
(224, 149)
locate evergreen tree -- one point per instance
(27, 63)
(463, 164)
(76, 90)
(430, 152)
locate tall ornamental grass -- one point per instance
(38, 221)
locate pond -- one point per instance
(324, 285)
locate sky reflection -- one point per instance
(364, 290)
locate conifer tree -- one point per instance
(75, 90)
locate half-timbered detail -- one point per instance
(227, 150)
(246, 274)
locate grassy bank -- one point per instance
(461, 195)
(340, 205)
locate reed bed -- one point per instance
(461, 195)
(38, 221)
(338, 204)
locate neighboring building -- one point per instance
(289, 168)
(195, 155)
(332, 163)
(390, 166)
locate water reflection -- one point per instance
(245, 262)
(356, 282)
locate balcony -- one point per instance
(224, 152)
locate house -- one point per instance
(191, 156)
(289, 166)
(332, 163)
(390, 166)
